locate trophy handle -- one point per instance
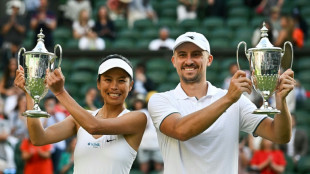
(283, 52)
(19, 55)
(60, 54)
(245, 51)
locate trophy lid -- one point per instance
(264, 43)
(40, 47)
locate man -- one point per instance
(46, 20)
(298, 145)
(163, 42)
(198, 124)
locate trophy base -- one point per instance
(268, 111)
(36, 114)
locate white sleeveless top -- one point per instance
(109, 154)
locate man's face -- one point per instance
(191, 62)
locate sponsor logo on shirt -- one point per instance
(93, 145)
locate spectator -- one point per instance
(286, 32)
(91, 102)
(82, 30)
(7, 88)
(300, 29)
(207, 8)
(56, 117)
(67, 158)
(301, 94)
(73, 8)
(118, 9)
(148, 151)
(187, 9)
(104, 27)
(298, 145)
(37, 158)
(18, 123)
(45, 20)
(163, 42)
(257, 33)
(274, 23)
(7, 144)
(142, 84)
(31, 8)
(245, 155)
(268, 160)
(300, 22)
(265, 6)
(233, 68)
(13, 26)
(140, 9)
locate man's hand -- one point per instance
(239, 83)
(286, 84)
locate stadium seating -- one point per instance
(189, 24)
(123, 44)
(213, 23)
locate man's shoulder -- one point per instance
(163, 95)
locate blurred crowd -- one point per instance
(92, 27)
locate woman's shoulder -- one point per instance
(136, 112)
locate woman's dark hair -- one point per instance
(114, 56)
(19, 98)
(7, 71)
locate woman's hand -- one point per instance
(55, 81)
(20, 78)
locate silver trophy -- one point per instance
(265, 63)
(35, 64)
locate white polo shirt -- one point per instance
(215, 151)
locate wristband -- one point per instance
(59, 93)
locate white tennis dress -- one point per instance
(109, 154)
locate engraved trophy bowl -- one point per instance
(35, 64)
(265, 65)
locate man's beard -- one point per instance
(191, 80)
(194, 79)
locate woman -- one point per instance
(37, 158)
(268, 160)
(17, 121)
(108, 138)
(286, 32)
(82, 30)
(7, 88)
(104, 27)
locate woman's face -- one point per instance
(102, 12)
(284, 22)
(13, 64)
(114, 86)
(84, 15)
